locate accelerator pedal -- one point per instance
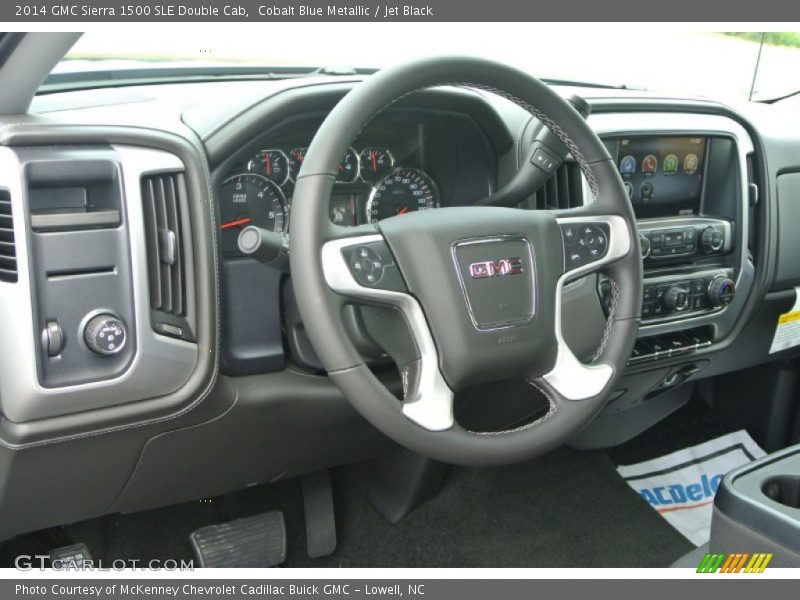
(257, 541)
(320, 520)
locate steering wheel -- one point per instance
(479, 288)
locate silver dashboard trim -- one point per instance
(430, 405)
(161, 364)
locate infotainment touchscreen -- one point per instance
(663, 175)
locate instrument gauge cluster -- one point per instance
(370, 185)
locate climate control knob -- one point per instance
(721, 291)
(105, 334)
(676, 298)
(712, 239)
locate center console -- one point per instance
(686, 177)
(690, 188)
(757, 507)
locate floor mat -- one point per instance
(693, 423)
(566, 509)
(681, 485)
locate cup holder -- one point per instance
(784, 489)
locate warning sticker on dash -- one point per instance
(787, 333)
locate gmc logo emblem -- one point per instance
(495, 268)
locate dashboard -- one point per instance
(215, 376)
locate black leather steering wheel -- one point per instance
(479, 287)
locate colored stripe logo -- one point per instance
(737, 562)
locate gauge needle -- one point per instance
(236, 223)
(268, 164)
(402, 210)
(374, 158)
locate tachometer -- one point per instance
(402, 192)
(249, 199)
(272, 164)
(375, 163)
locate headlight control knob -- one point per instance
(105, 334)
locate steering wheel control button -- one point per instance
(584, 243)
(497, 279)
(544, 160)
(105, 334)
(53, 338)
(366, 266)
(372, 265)
(570, 233)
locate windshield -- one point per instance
(718, 65)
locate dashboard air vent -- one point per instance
(8, 253)
(162, 197)
(563, 190)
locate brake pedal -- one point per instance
(320, 519)
(258, 541)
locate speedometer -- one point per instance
(402, 192)
(249, 199)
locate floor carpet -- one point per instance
(567, 509)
